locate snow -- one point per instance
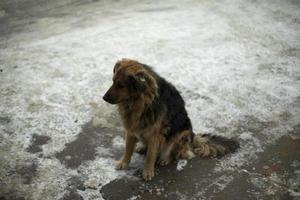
(98, 172)
(119, 143)
(181, 164)
(247, 152)
(235, 62)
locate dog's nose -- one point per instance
(105, 97)
(109, 98)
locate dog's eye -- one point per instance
(119, 85)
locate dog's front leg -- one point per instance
(130, 144)
(153, 145)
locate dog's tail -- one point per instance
(213, 146)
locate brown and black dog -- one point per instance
(153, 114)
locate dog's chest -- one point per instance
(142, 136)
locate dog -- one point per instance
(154, 116)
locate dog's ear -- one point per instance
(117, 65)
(138, 81)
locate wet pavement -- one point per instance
(236, 64)
(274, 168)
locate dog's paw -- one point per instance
(164, 162)
(148, 174)
(141, 148)
(121, 165)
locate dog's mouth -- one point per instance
(110, 99)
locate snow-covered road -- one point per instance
(236, 63)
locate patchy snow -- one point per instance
(294, 181)
(119, 143)
(250, 146)
(134, 198)
(235, 62)
(181, 164)
(98, 172)
(217, 184)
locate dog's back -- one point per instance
(171, 105)
(153, 112)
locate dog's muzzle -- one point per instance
(108, 98)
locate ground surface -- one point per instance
(237, 64)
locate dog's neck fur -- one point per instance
(132, 110)
(131, 113)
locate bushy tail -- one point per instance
(213, 146)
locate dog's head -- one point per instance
(131, 80)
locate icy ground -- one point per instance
(237, 64)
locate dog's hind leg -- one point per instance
(184, 148)
(165, 156)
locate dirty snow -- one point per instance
(118, 143)
(235, 62)
(181, 164)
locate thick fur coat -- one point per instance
(154, 116)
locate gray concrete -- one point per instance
(236, 63)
